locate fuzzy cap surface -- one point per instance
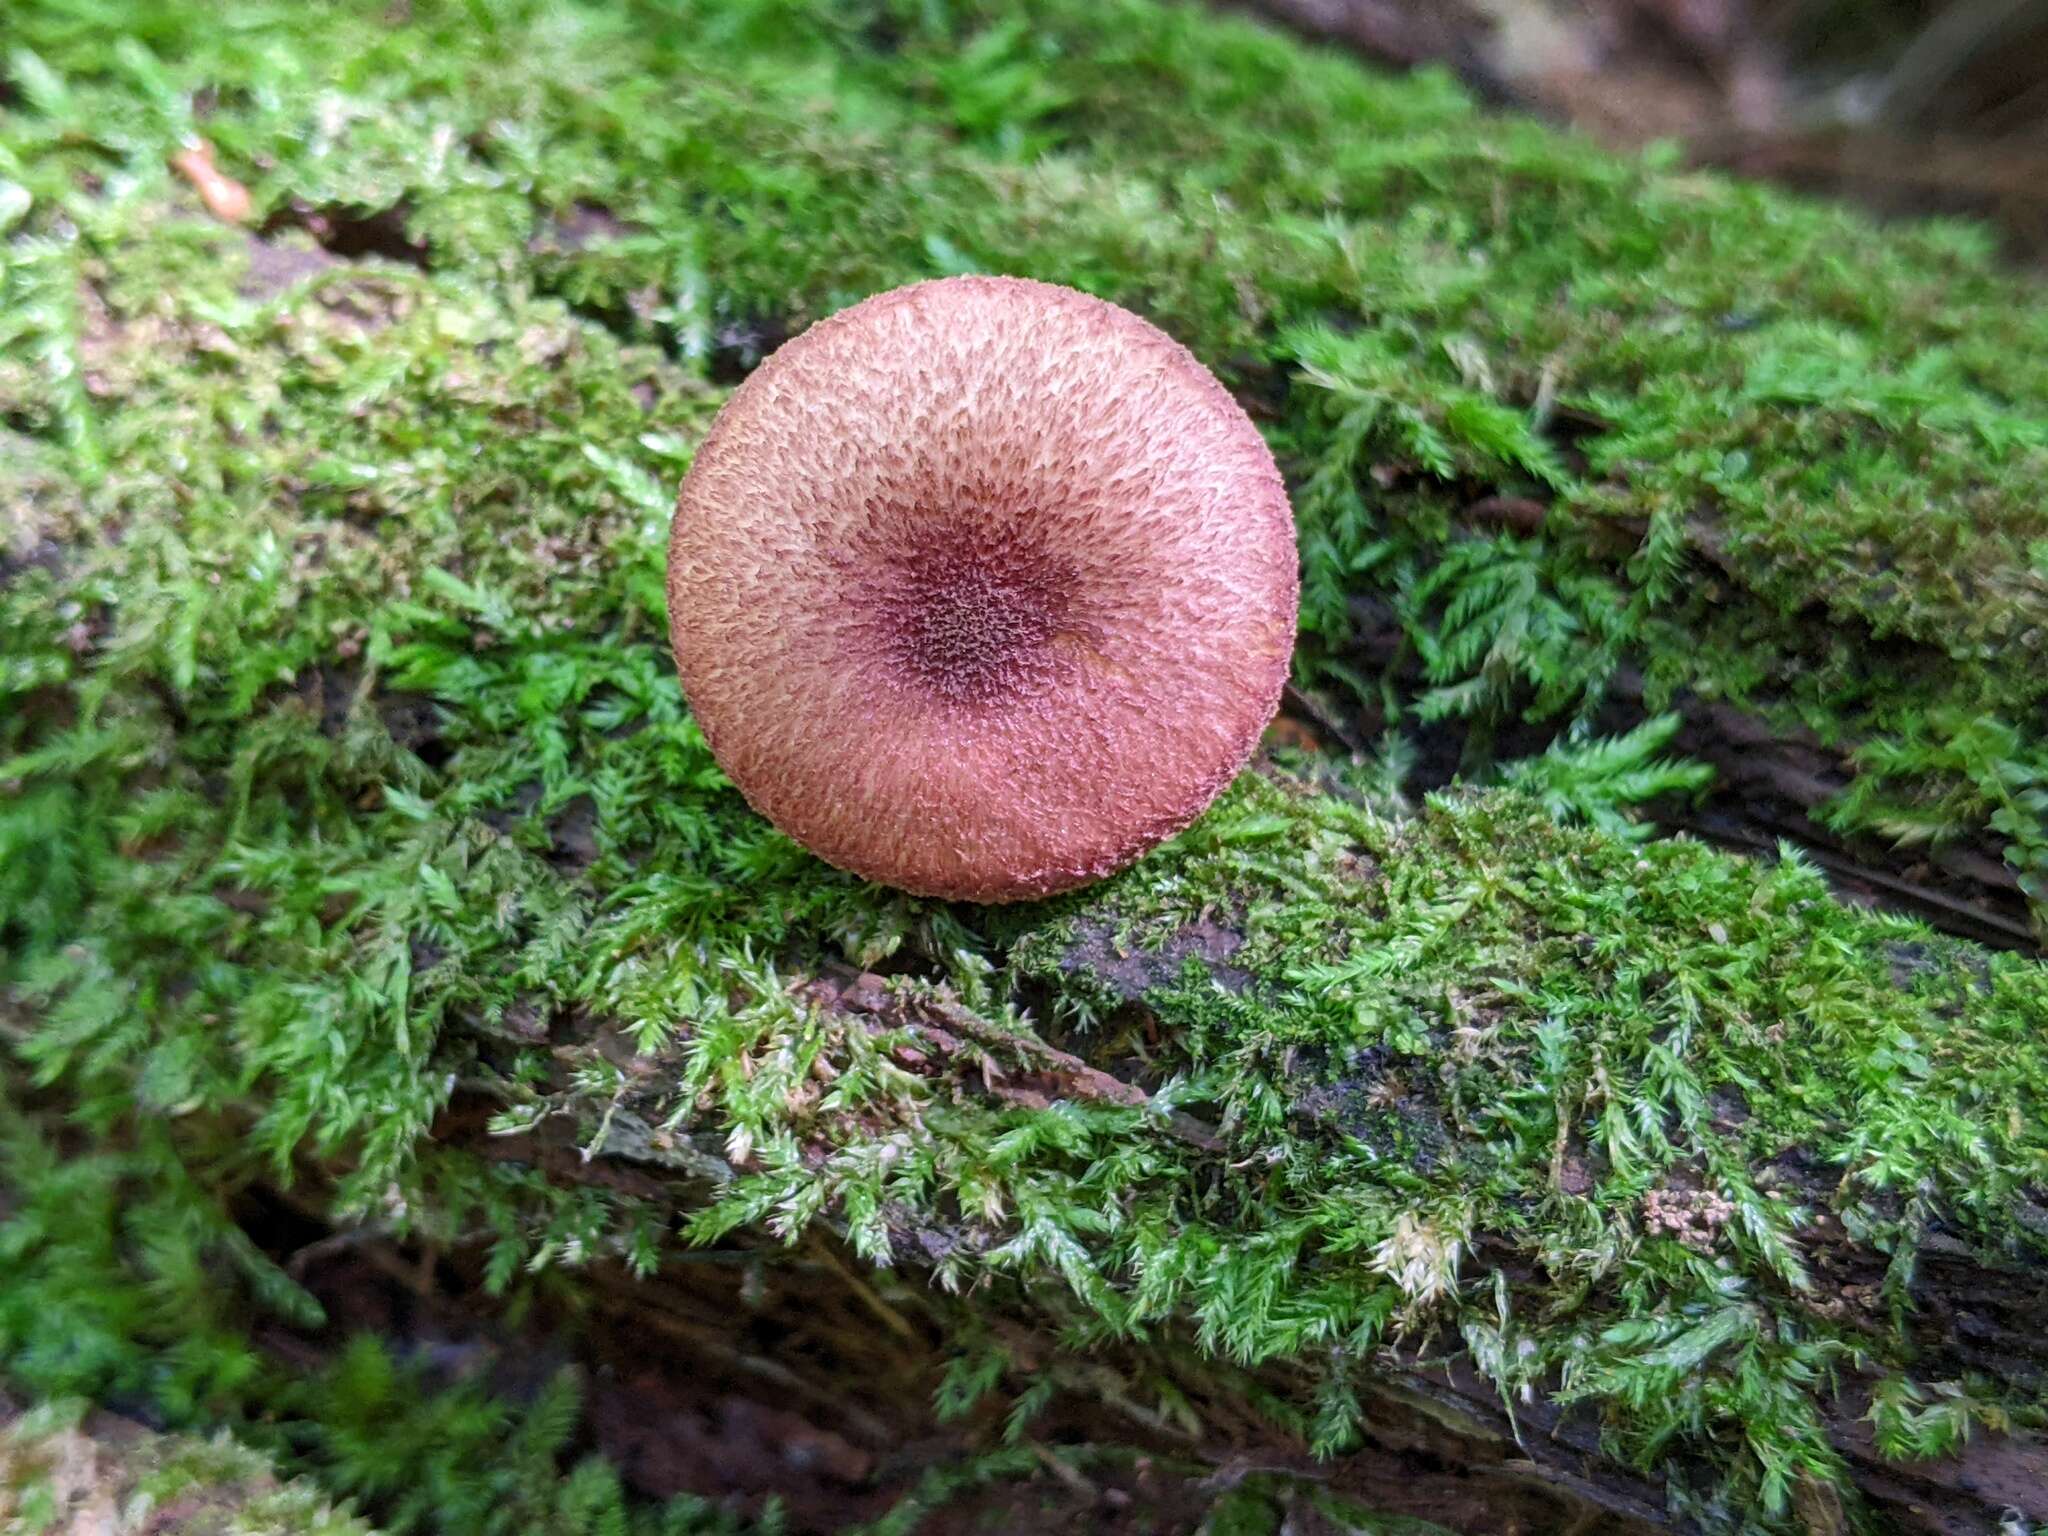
(982, 587)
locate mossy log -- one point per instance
(1759, 1208)
(382, 952)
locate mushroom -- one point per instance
(982, 587)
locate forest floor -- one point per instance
(423, 1066)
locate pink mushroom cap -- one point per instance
(982, 587)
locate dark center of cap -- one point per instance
(970, 615)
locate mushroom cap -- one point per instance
(982, 587)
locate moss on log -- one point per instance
(65, 1471)
(367, 893)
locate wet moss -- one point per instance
(346, 771)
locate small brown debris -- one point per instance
(225, 198)
(1694, 1216)
(1285, 731)
(1517, 514)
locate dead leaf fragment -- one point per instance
(225, 198)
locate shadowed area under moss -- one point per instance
(355, 833)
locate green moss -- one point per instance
(346, 767)
(1777, 413)
(1477, 1035)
